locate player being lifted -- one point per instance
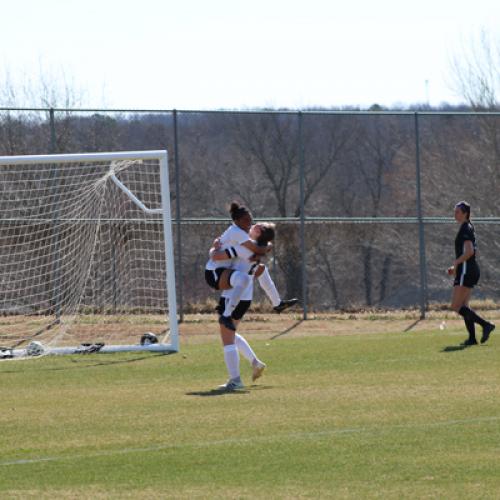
(220, 276)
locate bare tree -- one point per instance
(272, 144)
(45, 89)
(475, 72)
(476, 77)
(375, 159)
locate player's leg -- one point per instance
(470, 325)
(267, 284)
(239, 282)
(219, 279)
(224, 278)
(461, 297)
(469, 280)
(244, 347)
(471, 316)
(232, 360)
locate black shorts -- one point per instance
(213, 277)
(469, 278)
(239, 310)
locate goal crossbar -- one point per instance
(83, 157)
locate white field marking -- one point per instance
(231, 441)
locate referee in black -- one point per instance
(466, 272)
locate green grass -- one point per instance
(354, 416)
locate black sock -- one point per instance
(470, 328)
(469, 314)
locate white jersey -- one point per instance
(233, 236)
(243, 264)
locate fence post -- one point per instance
(179, 275)
(302, 217)
(421, 233)
(52, 125)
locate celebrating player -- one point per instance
(220, 276)
(233, 342)
(466, 272)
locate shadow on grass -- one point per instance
(454, 348)
(289, 329)
(216, 392)
(413, 325)
(222, 392)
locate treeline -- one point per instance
(345, 164)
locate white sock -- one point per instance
(245, 349)
(267, 284)
(232, 359)
(238, 281)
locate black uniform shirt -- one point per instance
(465, 233)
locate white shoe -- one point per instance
(258, 368)
(232, 385)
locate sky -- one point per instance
(240, 54)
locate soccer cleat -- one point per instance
(258, 368)
(285, 304)
(469, 342)
(232, 385)
(486, 332)
(227, 322)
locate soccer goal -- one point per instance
(86, 254)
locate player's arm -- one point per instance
(257, 249)
(222, 253)
(237, 237)
(468, 253)
(260, 268)
(217, 243)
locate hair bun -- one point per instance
(237, 210)
(234, 207)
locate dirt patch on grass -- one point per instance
(204, 327)
(274, 326)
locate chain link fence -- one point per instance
(363, 201)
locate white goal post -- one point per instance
(86, 254)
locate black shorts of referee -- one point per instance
(467, 275)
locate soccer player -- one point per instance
(219, 276)
(466, 272)
(232, 341)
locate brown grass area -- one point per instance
(201, 327)
(320, 324)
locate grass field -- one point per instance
(348, 408)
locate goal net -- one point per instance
(86, 254)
